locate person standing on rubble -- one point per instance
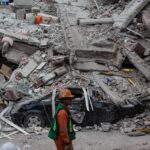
(61, 128)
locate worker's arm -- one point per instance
(62, 119)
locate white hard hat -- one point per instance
(9, 146)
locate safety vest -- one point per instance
(54, 126)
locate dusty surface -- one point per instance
(86, 140)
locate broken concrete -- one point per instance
(103, 43)
(2, 80)
(139, 64)
(95, 21)
(49, 77)
(20, 14)
(15, 56)
(90, 66)
(60, 71)
(146, 19)
(27, 70)
(113, 96)
(96, 52)
(131, 10)
(23, 4)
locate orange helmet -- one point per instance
(65, 93)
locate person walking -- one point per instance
(61, 130)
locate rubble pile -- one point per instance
(99, 45)
(140, 123)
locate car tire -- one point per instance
(34, 119)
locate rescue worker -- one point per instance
(61, 128)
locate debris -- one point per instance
(105, 127)
(127, 70)
(30, 17)
(102, 43)
(48, 17)
(6, 71)
(90, 66)
(136, 134)
(146, 19)
(57, 60)
(60, 71)
(138, 62)
(28, 68)
(96, 5)
(119, 59)
(12, 92)
(95, 21)
(20, 14)
(9, 40)
(7, 110)
(41, 65)
(129, 79)
(131, 10)
(2, 80)
(49, 77)
(139, 49)
(44, 43)
(113, 96)
(136, 33)
(23, 4)
(38, 19)
(143, 130)
(35, 10)
(113, 74)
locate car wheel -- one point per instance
(34, 120)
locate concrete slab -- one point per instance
(15, 56)
(60, 71)
(139, 64)
(113, 96)
(49, 77)
(29, 68)
(90, 66)
(94, 52)
(23, 2)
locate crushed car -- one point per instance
(85, 110)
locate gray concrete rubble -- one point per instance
(131, 10)
(77, 44)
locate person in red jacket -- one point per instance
(61, 128)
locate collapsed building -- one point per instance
(101, 47)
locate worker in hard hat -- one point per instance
(61, 128)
